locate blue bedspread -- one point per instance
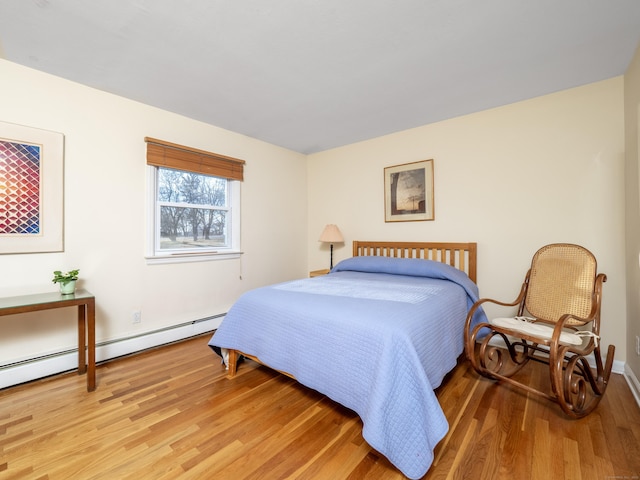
(376, 335)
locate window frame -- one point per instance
(153, 255)
(205, 161)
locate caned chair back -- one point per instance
(562, 280)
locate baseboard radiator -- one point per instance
(67, 360)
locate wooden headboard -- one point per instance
(462, 256)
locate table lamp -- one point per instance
(331, 234)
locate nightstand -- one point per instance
(317, 273)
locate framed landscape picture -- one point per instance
(408, 192)
(31, 190)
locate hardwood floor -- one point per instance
(172, 413)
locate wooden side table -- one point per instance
(86, 303)
(317, 273)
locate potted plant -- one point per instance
(66, 280)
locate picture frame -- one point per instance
(32, 195)
(408, 192)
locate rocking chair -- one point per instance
(557, 323)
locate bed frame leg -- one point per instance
(232, 364)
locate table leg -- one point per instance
(82, 342)
(91, 345)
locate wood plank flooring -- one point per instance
(171, 413)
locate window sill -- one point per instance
(191, 257)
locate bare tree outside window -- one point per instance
(193, 210)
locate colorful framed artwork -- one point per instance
(31, 190)
(408, 192)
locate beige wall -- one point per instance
(105, 216)
(514, 178)
(632, 145)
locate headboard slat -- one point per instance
(459, 255)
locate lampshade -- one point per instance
(331, 234)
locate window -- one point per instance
(192, 212)
(194, 203)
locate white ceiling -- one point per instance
(310, 75)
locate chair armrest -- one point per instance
(479, 302)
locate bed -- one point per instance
(377, 335)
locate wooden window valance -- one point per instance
(179, 157)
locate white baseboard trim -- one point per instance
(35, 368)
(617, 367)
(633, 382)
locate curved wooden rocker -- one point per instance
(557, 323)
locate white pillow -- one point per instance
(520, 324)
